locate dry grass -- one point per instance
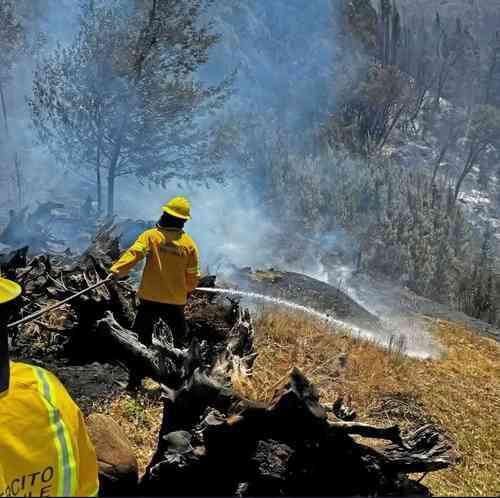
(139, 415)
(460, 391)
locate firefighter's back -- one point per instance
(172, 256)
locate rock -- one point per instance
(118, 468)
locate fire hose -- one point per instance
(41, 312)
(57, 305)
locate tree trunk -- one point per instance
(139, 65)
(111, 191)
(391, 127)
(469, 164)
(98, 170)
(4, 110)
(113, 166)
(491, 72)
(98, 161)
(98, 187)
(289, 447)
(439, 91)
(19, 181)
(166, 364)
(17, 168)
(442, 154)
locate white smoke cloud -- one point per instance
(227, 223)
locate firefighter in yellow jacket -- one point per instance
(45, 449)
(171, 272)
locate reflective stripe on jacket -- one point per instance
(45, 449)
(172, 265)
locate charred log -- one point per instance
(163, 362)
(286, 448)
(424, 450)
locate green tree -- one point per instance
(492, 76)
(359, 22)
(123, 99)
(484, 131)
(11, 38)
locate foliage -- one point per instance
(11, 37)
(12, 42)
(123, 100)
(407, 226)
(360, 20)
(484, 131)
(370, 113)
(415, 59)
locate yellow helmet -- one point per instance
(178, 207)
(8, 290)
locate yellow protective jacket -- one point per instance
(172, 265)
(45, 449)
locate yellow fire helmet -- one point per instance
(179, 207)
(8, 290)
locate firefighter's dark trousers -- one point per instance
(148, 313)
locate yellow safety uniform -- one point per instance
(172, 266)
(45, 449)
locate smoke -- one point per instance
(46, 23)
(227, 224)
(283, 51)
(284, 54)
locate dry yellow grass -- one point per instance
(460, 391)
(139, 415)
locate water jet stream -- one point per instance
(323, 317)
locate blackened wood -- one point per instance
(165, 364)
(424, 450)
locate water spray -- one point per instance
(325, 318)
(322, 317)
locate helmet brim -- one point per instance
(171, 212)
(8, 290)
